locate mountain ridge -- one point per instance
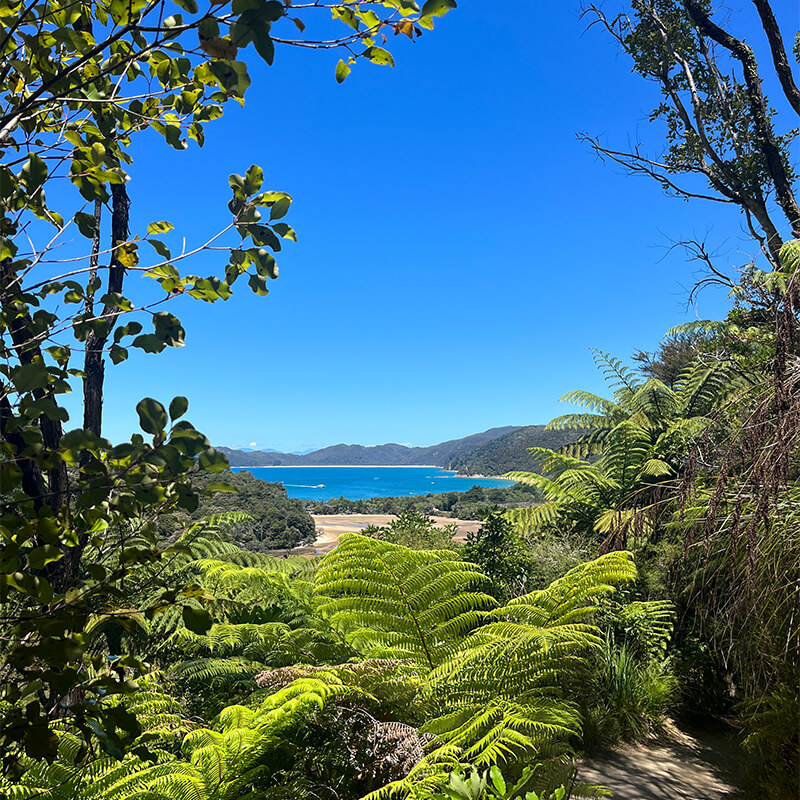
(490, 452)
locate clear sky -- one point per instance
(459, 250)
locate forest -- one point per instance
(475, 503)
(149, 648)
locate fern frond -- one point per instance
(399, 602)
(697, 327)
(504, 731)
(592, 402)
(573, 596)
(617, 374)
(655, 468)
(656, 401)
(534, 518)
(217, 672)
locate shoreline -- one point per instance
(344, 466)
(377, 466)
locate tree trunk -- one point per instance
(94, 366)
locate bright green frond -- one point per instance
(399, 602)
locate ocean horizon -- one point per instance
(358, 482)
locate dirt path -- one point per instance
(681, 767)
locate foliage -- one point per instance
(734, 511)
(671, 359)
(472, 504)
(79, 82)
(493, 786)
(415, 531)
(721, 139)
(630, 697)
(640, 438)
(421, 602)
(306, 728)
(277, 521)
(502, 554)
(501, 694)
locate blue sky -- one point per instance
(459, 250)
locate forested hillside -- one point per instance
(475, 503)
(492, 452)
(275, 519)
(510, 452)
(380, 455)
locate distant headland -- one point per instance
(491, 452)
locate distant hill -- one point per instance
(509, 452)
(379, 455)
(491, 452)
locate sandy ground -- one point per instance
(681, 767)
(331, 526)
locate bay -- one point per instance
(360, 483)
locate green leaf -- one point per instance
(280, 208)
(178, 407)
(169, 329)
(258, 284)
(45, 554)
(436, 8)
(377, 55)
(264, 45)
(116, 300)
(346, 15)
(342, 71)
(117, 354)
(28, 377)
(34, 173)
(220, 487)
(148, 342)
(272, 10)
(131, 329)
(253, 179)
(213, 460)
(197, 620)
(190, 6)
(160, 227)
(152, 416)
(208, 28)
(85, 223)
(160, 248)
(285, 231)
(497, 780)
(41, 743)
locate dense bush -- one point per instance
(277, 520)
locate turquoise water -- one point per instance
(359, 483)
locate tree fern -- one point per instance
(399, 603)
(641, 436)
(500, 693)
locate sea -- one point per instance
(361, 483)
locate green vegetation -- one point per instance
(415, 531)
(472, 504)
(510, 451)
(145, 653)
(276, 520)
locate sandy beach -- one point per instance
(331, 526)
